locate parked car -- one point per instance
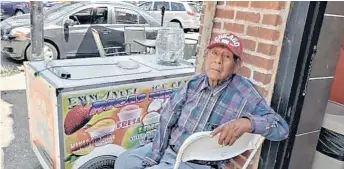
(67, 29)
(49, 4)
(184, 13)
(10, 8)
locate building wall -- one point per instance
(337, 91)
(261, 26)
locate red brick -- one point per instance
(213, 35)
(245, 71)
(247, 153)
(262, 91)
(267, 34)
(217, 25)
(267, 49)
(249, 44)
(224, 13)
(258, 61)
(248, 16)
(261, 77)
(230, 166)
(240, 161)
(272, 19)
(276, 5)
(238, 3)
(234, 27)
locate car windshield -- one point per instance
(193, 7)
(54, 8)
(55, 13)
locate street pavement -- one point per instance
(16, 152)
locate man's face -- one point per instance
(219, 63)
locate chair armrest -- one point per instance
(116, 47)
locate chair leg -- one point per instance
(177, 164)
(129, 53)
(116, 51)
(253, 153)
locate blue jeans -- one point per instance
(132, 159)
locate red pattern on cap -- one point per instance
(229, 40)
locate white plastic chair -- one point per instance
(100, 47)
(132, 33)
(200, 146)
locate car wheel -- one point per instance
(49, 52)
(101, 162)
(18, 13)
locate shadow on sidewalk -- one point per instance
(18, 154)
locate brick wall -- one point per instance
(261, 27)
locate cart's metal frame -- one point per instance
(31, 69)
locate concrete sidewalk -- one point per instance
(14, 82)
(16, 150)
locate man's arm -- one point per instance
(266, 122)
(263, 121)
(169, 117)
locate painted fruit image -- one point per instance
(151, 118)
(102, 132)
(130, 112)
(76, 118)
(85, 140)
(79, 143)
(156, 105)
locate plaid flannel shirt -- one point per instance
(198, 107)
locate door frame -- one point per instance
(297, 55)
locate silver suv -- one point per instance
(184, 13)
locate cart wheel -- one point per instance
(101, 162)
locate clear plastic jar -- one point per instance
(170, 44)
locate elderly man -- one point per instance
(219, 101)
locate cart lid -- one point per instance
(92, 71)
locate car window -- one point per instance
(157, 6)
(194, 7)
(142, 20)
(82, 17)
(100, 16)
(146, 6)
(177, 6)
(125, 16)
(52, 15)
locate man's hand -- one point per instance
(232, 130)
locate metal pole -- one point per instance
(37, 34)
(162, 15)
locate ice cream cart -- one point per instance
(83, 113)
